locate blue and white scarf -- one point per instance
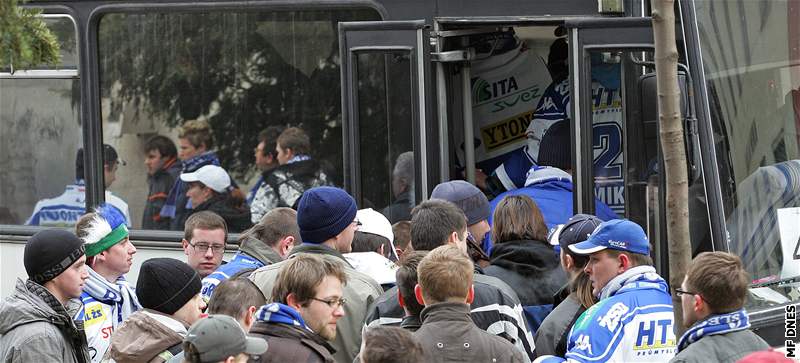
(298, 158)
(280, 314)
(715, 324)
(639, 276)
(118, 295)
(207, 158)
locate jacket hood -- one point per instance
(238, 219)
(525, 257)
(23, 307)
(259, 250)
(142, 337)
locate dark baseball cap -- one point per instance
(218, 337)
(576, 229)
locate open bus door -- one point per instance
(385, 113)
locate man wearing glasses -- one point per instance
(301, 322)
(633, 319)
(204, 236)
(327, 220)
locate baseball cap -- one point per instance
(375, 223)
(218, 337)
(616, 234)
(211, 176)
(577, 229)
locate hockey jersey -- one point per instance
(65, 209)
(239, 262)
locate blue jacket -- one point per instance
(631, 323)
(551, 189)
(239, 262)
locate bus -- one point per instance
(454, 83)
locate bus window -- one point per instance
(750, 58)
(385, 133)
(40, 134)
(242, 72)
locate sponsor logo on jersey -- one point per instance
(506, 131)
(93, 314)
(483, 90)
(654, 337)
(610, 321)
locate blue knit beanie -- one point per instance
(323, 213)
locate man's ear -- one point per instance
(452, 238)
(293, 302)
(471, 294)
(418, 294)
(400, 299)
(249, 315)
(185, 245)
(285, 245)
(699, 304)
(624, 262)
(398, 252)
(380, 251)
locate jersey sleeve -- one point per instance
(597, 333)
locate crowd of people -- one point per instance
(326, 282)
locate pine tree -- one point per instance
(25, 40)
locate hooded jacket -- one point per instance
(252, 254)
(285, 184)
(236, 218)
(360, 291)
(531, 267)
(495, 308)
(288, 343)
(448, 334)
(147, 336)
(31, 329)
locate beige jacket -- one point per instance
(360, 291)
(147, 336)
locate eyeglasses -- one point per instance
(333, 303)
(203, 247)
(680, 292)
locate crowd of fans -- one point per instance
(315, 279)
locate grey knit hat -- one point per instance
(466, 196)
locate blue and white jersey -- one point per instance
(633, 324)
(65, 209)
(239, 262)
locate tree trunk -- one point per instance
(672, 145)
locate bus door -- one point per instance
(385, 85)
(615, 151)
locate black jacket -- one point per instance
(494, 302)
(531, 268)
(237, 219)
(159, 185)
(448, 334)
(284, 185)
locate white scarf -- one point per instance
(118, 295)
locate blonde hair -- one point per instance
(197, 132)
(445, 274)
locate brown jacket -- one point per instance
(147, 336)
(288, 343)
(448, 334)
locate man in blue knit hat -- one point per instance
(107, 298)
(327, 220)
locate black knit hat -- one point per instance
(50, 252)
(166, 284)
(555, 148)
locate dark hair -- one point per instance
(163, 144)
(81, 227)
(402, 234)
(720, 279)
(276, 224)
(433, 221)
(406, 275)
(390, 344)
(302, 274)
(370, 242)
(269, 137)
(109, 158)
(203, 220)
(295, 139)
(517, 217)
(234, 296)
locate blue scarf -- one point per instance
(253, 191)
(280, 314)
(207, 158)
(119, 295)
(715, 324)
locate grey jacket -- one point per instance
(360, 291)
(551, 338)
(35, 330)
(448, 334)
(721, 348)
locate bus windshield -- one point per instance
(750, 53)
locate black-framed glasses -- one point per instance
(203, 247)
(680, 292)
(333, 303)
